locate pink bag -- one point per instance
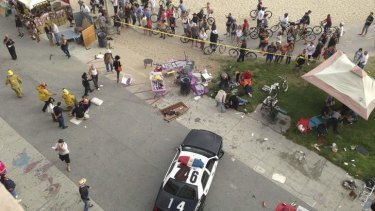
(3, 169)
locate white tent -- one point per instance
(31, 3)
(346, 82)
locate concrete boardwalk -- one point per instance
(39, 184)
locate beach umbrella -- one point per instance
(346, 82)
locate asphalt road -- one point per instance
(125, 148)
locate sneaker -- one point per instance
(91, 205)
(65, 127)
(98, 89)
(68, 168)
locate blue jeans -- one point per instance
(61, 121)
(109, 67)
(57, 37)
(242, 101)
(66, 50)
(87, 205)
(13, 192)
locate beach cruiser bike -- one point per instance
(253, 13)
(235, 52)
(208, 50)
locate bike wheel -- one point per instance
(155, 31)
(317, 30)
(270, 32)
(253, 13)
(154, 18)
(309, 30)
(184, 39)
(251, 55)
(310, 37)
(254, 35)
(222, 49)
(208, 50)
(269, 14)
(170, 32)
(233, 52)
(210, 20)
(275, 28)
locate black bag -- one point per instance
(321, 130)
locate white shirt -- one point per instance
(310, 49)
(152, 2)
(278, 38)
(239, 33)
(364, 59)
(341, 31)
(203, 35)
(115, 2)
(55, 29)
(62, 149)
(93, 71)
(260, 15)
(284, 21)
(85, 8)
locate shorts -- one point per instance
(263, 45)
(65, 158)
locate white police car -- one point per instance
(189, 177)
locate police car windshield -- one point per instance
(181, 189)
(197, 150)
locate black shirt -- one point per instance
(48, 30)
(57, 111)
(369, 20)
(116, 64)
(84, 192)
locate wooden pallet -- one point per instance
(172, 112)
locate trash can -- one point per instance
(185, 86)
(102, 39)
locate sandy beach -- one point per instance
(347, 11)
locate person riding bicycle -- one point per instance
(260, 16)
(259, 7)
(305, 20)
(214, 36)
(328, 23)
(284, 23)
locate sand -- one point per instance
(347, 11)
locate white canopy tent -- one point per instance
(346, 82)
(31, 3)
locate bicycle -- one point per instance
(277, 86)
(168, 30)
(270, 104)
(201, 16)
(255, 32)
(235, 52)
(209, 50)
(319, 29)
(253, 13)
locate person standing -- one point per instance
(19, 26)
(15, 83)
(115, 6)
(62, 148)
(69, 99)
(10, 186)
(50, 107)
(57, 111)
(284, 23)
(220, 100)
(9, 43)
(86, 84)
(368, 22)
(318, 51)
(260, 17)
(229, 23)
(84, 192)
(94, 74)
(357, 56)
(310, 48)
(363, 60)
(271, 50)
(64, 46)
(289, 52)
(241, 57)
(44, 95)
(340, 32)
(203, 37)
(56, 33)
(108, 61)
(48, 30)
(118, 67)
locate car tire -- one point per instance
(221, 153)
(203, 203)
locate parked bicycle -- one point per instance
(210, 49)
(255, 32)
(235, 52)
(270, 105)
(253, 13)
(277, 86)
(168, 30)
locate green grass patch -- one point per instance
(305, 100)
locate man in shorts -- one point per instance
(368, 22)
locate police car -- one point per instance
(189, 177)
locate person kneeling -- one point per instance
(78, 112)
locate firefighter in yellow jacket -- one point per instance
(69, 99)
(44, 95)
(15, 83)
